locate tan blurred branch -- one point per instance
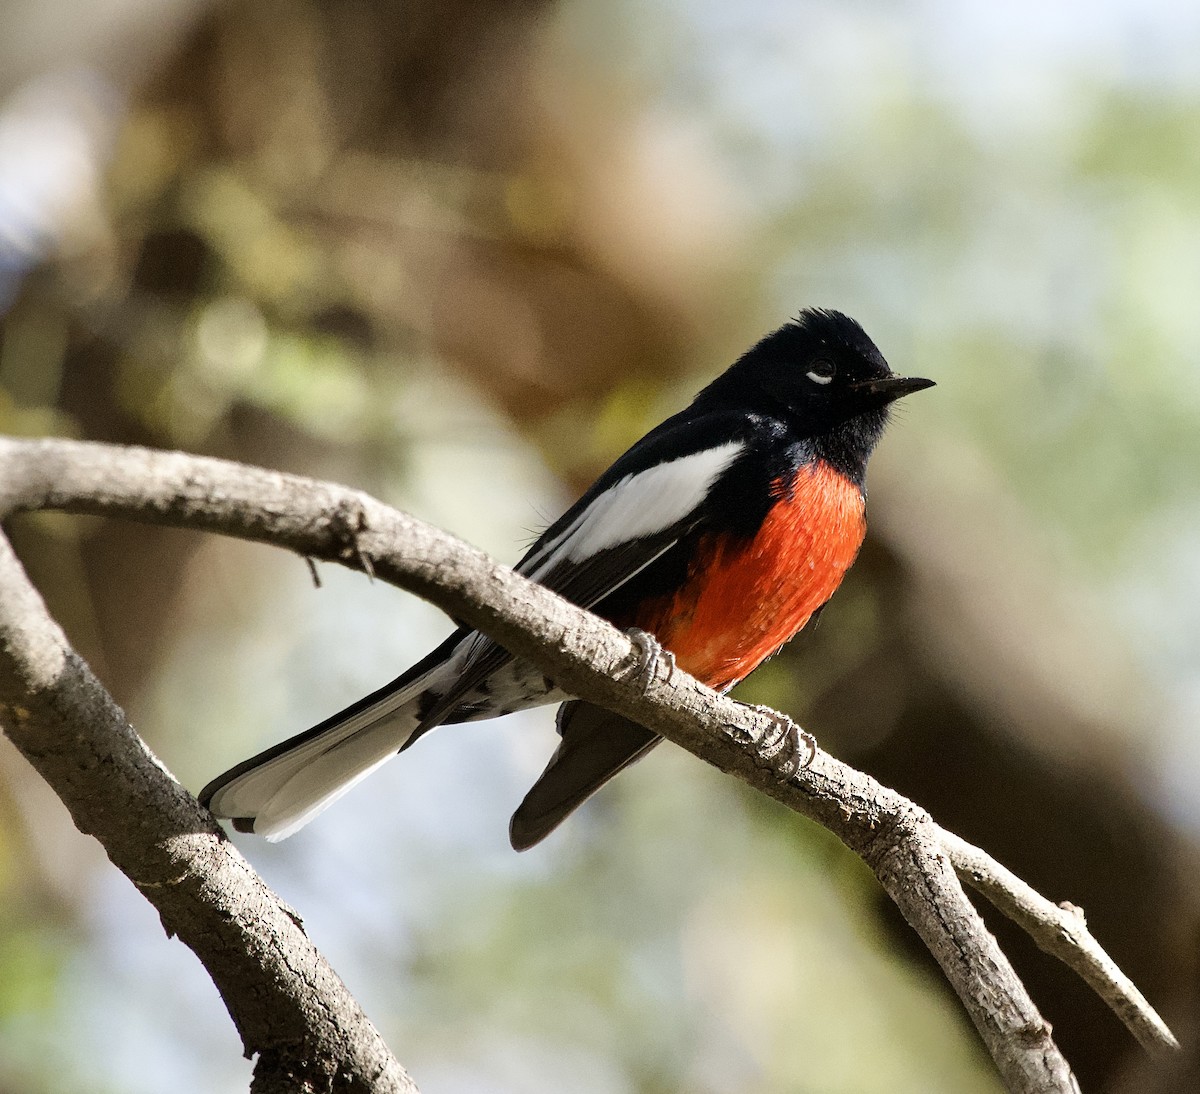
(913, 858)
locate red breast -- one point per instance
(745, 598)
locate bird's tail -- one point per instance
(596, 745)
(277, 792)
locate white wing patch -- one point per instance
(639, 505)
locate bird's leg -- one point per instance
(787, 735)
(651, 654)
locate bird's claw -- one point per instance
(785, 736)
(651, 654)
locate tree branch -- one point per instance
(910, 855)
(1061, 930)
(287, 1003)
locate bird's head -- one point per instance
(823, 368)
(822, 374)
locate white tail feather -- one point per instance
(320, 781)
(286, 791)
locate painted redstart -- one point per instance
(720, 533)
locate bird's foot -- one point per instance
(785, 736)
(651, 653)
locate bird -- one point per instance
(719, 535)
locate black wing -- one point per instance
(633, 514)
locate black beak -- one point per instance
(890, 388)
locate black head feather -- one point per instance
(824, 376)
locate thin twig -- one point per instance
(1060, 930)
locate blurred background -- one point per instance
(460, 255)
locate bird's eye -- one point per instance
(821, 372)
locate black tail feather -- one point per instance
(596, 745)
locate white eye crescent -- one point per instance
(821, 372)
